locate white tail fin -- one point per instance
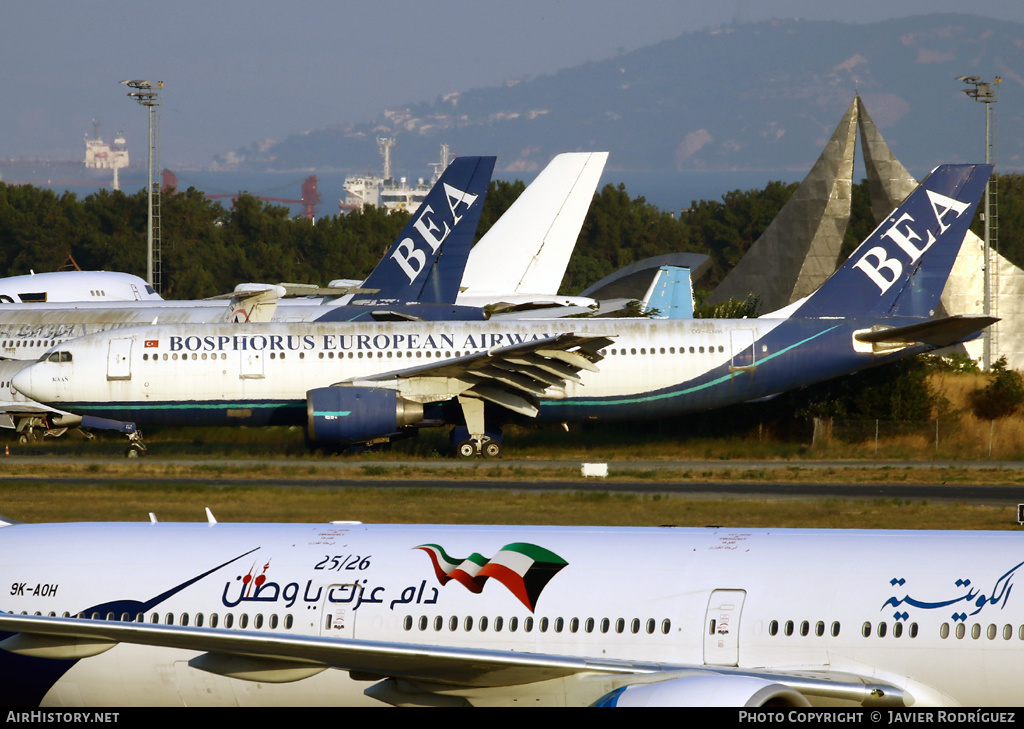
(528, 248)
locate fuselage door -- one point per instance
(337, 610)
(742, 343)
(252, 364)
(119, 359)
(722, 628)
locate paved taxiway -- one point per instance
(741, 481)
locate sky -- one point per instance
(239, 71)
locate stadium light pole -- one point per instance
(982, 91)
(146, 96)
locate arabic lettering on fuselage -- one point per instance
(60, 331)
(42, 331)
(348, 342)
(258, 589)
(1000, 593)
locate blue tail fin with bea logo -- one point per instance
(902, 267)
(425, 264)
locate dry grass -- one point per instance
(34, 503)
(222, 454)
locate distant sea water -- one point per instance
(668, 191)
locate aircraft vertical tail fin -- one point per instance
(528, 248)
(902, 267)
(670, 293)
(425, 264)
(253, 303)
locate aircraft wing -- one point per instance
(426, 669)
(513, 376)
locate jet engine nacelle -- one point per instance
(706, 690)
(357, 414)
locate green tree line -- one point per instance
(208, 247)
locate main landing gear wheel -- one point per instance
(135, 450)
(466, 449)
(492, 449)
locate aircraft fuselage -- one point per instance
(929, 615)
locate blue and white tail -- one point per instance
(427, 261)
(902, 267)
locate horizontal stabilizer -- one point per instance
(391, 315)
(333, 290)
(936, 332)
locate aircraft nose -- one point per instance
(22, 382)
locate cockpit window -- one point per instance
(57, 357)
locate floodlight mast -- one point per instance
(982, 92)
(146, 96)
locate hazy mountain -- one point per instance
(752, 96)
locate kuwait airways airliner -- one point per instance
(345, 613)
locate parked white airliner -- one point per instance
(367, 382)
(350, 614)
(68, 286)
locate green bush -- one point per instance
(1002, 396)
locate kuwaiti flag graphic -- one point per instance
(525, 569)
